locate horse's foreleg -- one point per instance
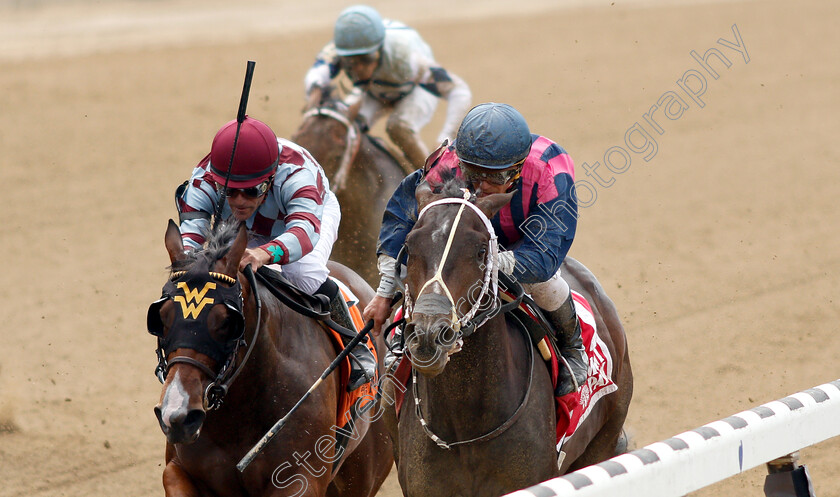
(176, 481)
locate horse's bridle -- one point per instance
(464, 326)
(490, 282)
(350, 150)
(217, 389)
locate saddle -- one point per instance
(530, 316)
(318, 307)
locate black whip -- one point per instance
(256, 449)
(240, 116)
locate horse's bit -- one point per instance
(350, 151)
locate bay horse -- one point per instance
(363, 174)
(479, 416)
(286, 352)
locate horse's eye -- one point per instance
(220, 325)
(482, 253)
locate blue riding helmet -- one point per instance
(493, 136)
(358, 30)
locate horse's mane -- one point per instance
(450, 185)
(327, 94)
(217, 243)
(330, 100)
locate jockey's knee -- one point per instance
(549, 294)
(307, 277)
(309, 285)
(399, 130)
(407, 138)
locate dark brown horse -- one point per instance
(208, 309)
(479, 417)
(363, 174)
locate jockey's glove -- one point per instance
(506, 262)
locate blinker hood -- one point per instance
(194, 295)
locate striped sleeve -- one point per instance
(196, 205)
(302, 201)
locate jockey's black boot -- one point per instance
(565, 322)
(362, 362)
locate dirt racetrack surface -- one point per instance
(718, 243)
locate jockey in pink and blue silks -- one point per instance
(495, 152)
(283, 196)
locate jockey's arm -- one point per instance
(195, 207)
(537, 260)
(256, 257)
(444, 84)
(303, 205)
(398, 220)
(547, 235)
(323, 70)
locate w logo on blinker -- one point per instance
(187, 306)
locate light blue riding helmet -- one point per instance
(358, 30)
(493, 136)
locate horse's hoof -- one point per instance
(624, 443)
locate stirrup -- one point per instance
(573, 376)
(393, 350)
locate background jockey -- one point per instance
(283, 196)
(391, 68)
(495, 152)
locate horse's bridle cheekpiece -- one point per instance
(195, 293)
(472, 320)
(350, 150)
(490, 282)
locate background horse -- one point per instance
(289, 353)
(492, 401)
(363, 174)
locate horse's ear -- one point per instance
(234, 255)
(174, 243)
(424, 195)
(491, 204)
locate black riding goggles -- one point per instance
(194, 295)
(250, 192)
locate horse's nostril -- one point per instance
(445, 336)
(194, 419)
(159, 415)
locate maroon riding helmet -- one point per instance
(257, 154)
